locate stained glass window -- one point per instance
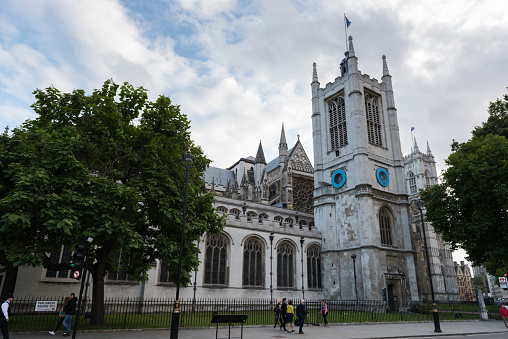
(285, 265)
(253, 263)
(313, 267)
(216, 260)
(385, 223)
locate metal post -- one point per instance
(354, 273)
(188, 159)
(271, 267)
(195, 287)
(303, 285)
(437, 327)
(76, 321)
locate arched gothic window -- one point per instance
(285, 265)
(412, 183)
(373, 120)
(385, 224)
(338, 130)
(222, 209)
(313, 267)
(253, 263)
(216, 255)
(427, 179)
(289, 221)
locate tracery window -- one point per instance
(285, 265)
(278, 219)
(373, 120)
(303, 194)
(216, 260)
(251, 215)
(61, 257)
(412, 183)
(338, 130)
(427, 179)
(313, 267)
(119, 273)
(289, 221)
(253, 263)
(385, 224)
(263, 216)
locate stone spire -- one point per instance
(283, 146)
(415, 146)
(428, 149)
(260, 155)
(351, 47)
(314, 74)
(385, 67)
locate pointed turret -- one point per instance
(260, 155)
(352, 60)
(259, 166)
(415, 146)
(283, 146)
(314, 74)
(429, 152)
(385, 67)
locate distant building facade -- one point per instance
(465, 281)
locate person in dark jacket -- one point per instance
(283, 313)
(70, 310)
(301, 313)
(4, 315)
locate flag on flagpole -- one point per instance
(347, 21)
(412, 129)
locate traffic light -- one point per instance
(78, 261)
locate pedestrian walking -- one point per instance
(290, 316)
(4, 315)
(276, 311)
(301, 313)
(283, 312)
(69, 310)
(61, 316)
(504, 314)
(324, 311)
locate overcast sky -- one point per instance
(241, 68)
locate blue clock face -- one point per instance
(338, 178)
(382, 177)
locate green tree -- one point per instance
(106, 166)
(470, 205)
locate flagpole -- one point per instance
(345, 31)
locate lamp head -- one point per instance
(353, 256)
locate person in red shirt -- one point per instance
(504, 313)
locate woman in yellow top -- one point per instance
(290, 316)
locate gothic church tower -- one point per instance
(360, 202)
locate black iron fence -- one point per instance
(124, 313)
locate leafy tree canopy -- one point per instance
(106, 166)
(470, 206)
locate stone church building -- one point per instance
(343, 228)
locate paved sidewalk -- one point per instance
(335, 331)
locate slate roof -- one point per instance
(219, 175)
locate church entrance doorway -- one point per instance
(391, 297)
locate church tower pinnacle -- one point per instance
(283, 146)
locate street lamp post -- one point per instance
(437, 328)
(303, 287)
(354, 274)
(188, 162)
(271, 267)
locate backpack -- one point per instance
(276, 309)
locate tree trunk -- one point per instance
(98, 271)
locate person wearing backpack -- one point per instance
(276, 312)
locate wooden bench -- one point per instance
(228, 319)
